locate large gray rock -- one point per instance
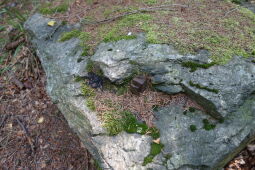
(220, 89)
(62, 62)
(201, 149)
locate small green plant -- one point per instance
(155, 150)
(207, 125)
(203, 87)
(193, 128)
(194, 66)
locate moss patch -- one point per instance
(83, 36)
(203, 87)
(87, 91)
(192, 109)
(194, 66)
(155, 150)
(207, 125)
(193, 128)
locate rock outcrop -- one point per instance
(225, 91)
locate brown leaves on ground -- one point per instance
(245, 160)
(27, 142)
(141, 105)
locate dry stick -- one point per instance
(27, 134)
(232, 10)
(141, 10)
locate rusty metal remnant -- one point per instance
(138, 84)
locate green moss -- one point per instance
(78, 79)
(84, 36)
(194, 66)
(85, 51)
(207, 125)
(221, 120)
(192, 109)
(111, 37)
(155, 150)
(185, 112)
(247, 13)
(91, 103)
(92, 67)
(122, 89)
(167, 156)
(69, 35)
(87, 91)
(112, 122)
(116, 31)
(193, 128)
(153, 132)
(150, 2)
(148, 159)
(203, 87)
(51, 10)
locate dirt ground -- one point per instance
(33, 132)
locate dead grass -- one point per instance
(142, 105)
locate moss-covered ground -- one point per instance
(222, 27)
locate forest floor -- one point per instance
(33, 132)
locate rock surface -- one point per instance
(225, 91)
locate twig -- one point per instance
(141, 10)
(13, 79)
(230, 11)
(27, 134)
(14, 44)
(3, 120)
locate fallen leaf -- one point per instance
(51, 23)
(157, 141)
(40, 120)
(10, 125)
